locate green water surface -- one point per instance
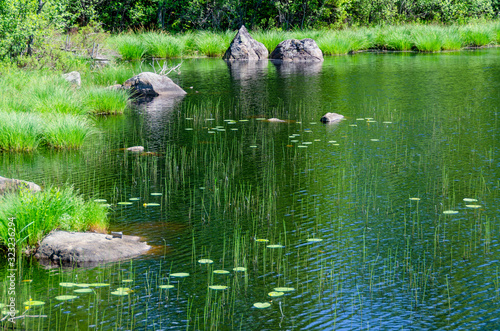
(420, 126)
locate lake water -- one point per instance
(376, 191)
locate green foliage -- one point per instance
(65, 131)
(106, 101)
(19, 131)
(428, 40)
(36, 214)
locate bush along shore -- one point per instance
(40, 108)
(410, 37)
(37, 214)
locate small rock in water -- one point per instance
(136, 149)
(277, 120)
(331, 118)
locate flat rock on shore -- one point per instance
(87, 248)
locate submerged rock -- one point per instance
(73, 78)
(149, 84)
(331, 117)
(8, 185)
(276, 120)
(136, 149)
(87, 248)
(297, 50)
(244, 47)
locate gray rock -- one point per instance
(8, 185)
(297, 50)
(136, 149)
(244, 47)
(87, 248)
(331, 118)
(149, 84)
(73, 78)
(276, 120)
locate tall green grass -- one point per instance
(36, 214)
(422, 38)
(428, 41)
(19, 131)
(106, 101)
(66, 131)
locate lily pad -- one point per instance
(473, 206)
(375, 139)
(205, 261)
(65, 297)
(166, 287)
(179, 274)
(262, 240)
(275, 294)
(135, 199)
(127, 289)
(152, 204)
(275, 246)
(120, 293)
(353, 125)
(261, 305)
(470, 200)
(302, 146)
(67, 284)
(127, 280)
(222, 272)
(217, 287)
(415, 199)
(156, 194)
(83, 290)
(33, 303)
(83, 285)
(387, 122)
(450, 212)
(284, 289)
(188, 129)
(314, 240)
(253, 146)
(100, 200)
(360, 119)
(240, 269)
(124, 203)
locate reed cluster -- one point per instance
(410, 37)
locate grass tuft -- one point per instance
(36, 214)
(106, 101)
(67, 131)
(19, 131)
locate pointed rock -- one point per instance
(244, 47)
(297, 50)
(150, 84)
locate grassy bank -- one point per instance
(42, 109)
(36, 214)
(411, 37)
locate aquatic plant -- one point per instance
(36, 214)
(20, 131)
(106, 101)
(66, 131)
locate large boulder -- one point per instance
(149, 84)
(244, 47)
(87, 248)
(8, 185)
(331, 118)
(297, 50)
(73, 78)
